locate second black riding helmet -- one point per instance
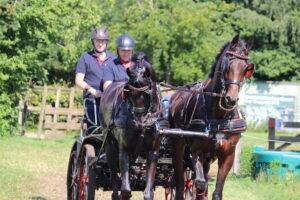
(125, 42)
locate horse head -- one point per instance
(232, 67)
(141, 87)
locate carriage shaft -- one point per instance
(182, 133)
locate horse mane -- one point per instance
(218, 59)
(150, 70)
(141, 56)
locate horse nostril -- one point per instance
(231, 100)
(234, 99)
(228, 99)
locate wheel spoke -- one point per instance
(83, 180)
(72, 177)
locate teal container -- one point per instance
(276, 162)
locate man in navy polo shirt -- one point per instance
(90, 73)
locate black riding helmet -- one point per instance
(125, 42)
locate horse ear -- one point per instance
(139, 56)
(235, 40)
(150, 72)
(250, 43)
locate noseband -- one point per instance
(146, 90)
(226, 66)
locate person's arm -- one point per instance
(79, 78)
(79, 81)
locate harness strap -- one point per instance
(183, 88)
(219, 126)
(184, 110)
(194, 109)
(235, 82)
(228, 126)
(142, 89)
(237, 55)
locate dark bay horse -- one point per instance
(129, 129)
(211, 107)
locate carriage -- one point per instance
(88, 170)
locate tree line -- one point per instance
(41, 40)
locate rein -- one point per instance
(142, 89)
(183, 88)
(227, 109)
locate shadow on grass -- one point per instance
(38, 198)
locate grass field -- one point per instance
(36, 169)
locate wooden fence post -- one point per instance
(24, 116)
(271, 133)
(42, 111)
(58, 92)
(23, 112)
(20, 112)
(71, 103)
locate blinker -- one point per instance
(249, 70)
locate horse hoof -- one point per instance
(200, 186)
(125, 195)
(179, 197)
(115, 196)
(216, 197)
(202, 198)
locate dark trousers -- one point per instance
(92, 114)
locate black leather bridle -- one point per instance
(228, 59)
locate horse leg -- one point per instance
(206, 167)
(200, 180)
(151, 170)
(225, 155)
(112, 161)
(114, 184)
(177, 160)
(124, 168)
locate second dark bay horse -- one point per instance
(211, 108)
(129, 128)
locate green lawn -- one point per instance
(23, 161)
(248, 189)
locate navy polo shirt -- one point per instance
(93, 68)
(116, 72)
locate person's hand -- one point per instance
(98, 93)
(94, 92)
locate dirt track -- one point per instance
(54, 188)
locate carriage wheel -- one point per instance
(188, 188)
(169, 193)
(86, 174)
(72, 180)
